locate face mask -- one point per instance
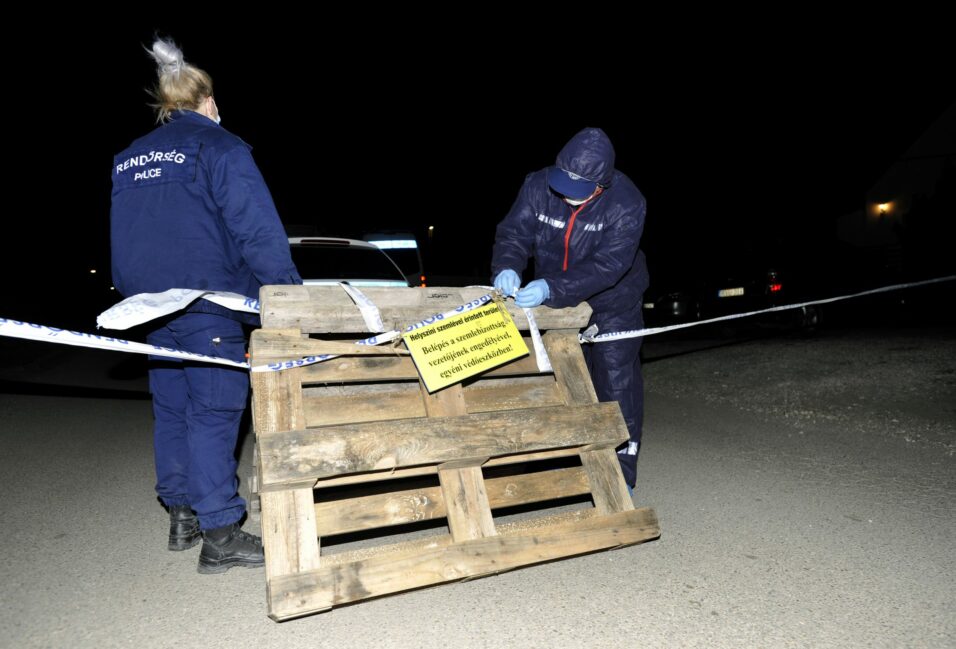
(218, 118)
(576, 201)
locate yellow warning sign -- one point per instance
(454, 348)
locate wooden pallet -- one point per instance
(356, 445)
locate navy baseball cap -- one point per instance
(570, 184)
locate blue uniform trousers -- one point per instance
(197, 409)
(615, 369)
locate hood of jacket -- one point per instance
(589, 154)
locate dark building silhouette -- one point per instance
(907, 225)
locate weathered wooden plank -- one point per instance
(321, 589)
(327, 309)
(298, 458)
(289, 534)
(416, 471)
(284, 345)
(608, 488)
(574, 382)
(376, 476)
(466, 503)
(272, 401)
(532, 457)
(277, 401)
(333, 407)
(414, 505)
(356, 403)
(489, 395)
(444, 403)
(443, 540)
(570, 368)
(462, 484)
(392, 368)
(375, 368)
(257, 347)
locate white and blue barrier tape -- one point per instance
(145, 307)
(148, 303)
(590, 335)
(30, 331)
(377, 339)
(370, 312)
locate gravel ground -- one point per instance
(878, 383)
(806, 490)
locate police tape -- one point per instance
(30, 331)
(144, 307)
(377, 339)
(370, 312)
(591, 335)
(540, 353)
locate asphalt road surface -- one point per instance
(806, 489)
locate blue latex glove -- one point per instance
(533, 294)
(507, 282)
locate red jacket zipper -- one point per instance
(574, 215)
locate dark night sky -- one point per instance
(742, 143)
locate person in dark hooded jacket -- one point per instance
(581, 221)
(190, 210)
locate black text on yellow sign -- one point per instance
(452, 349)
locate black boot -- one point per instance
(183, 528)
(225, 547)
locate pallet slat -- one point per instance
(346, 369)
(359, 403)
(321, 589)
(289, 536)
(327, 309)
(415, 505)
(300, 457)
(417, 471)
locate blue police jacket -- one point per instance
(592, 253)
(190, 209)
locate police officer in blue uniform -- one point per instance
(581, 220)
(190, 209)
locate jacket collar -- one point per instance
(191, 116)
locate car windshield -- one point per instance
(406, 258)
(343, 263)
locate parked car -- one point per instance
(739, 290)
(671, 305)
(329, 260)
(403, 248)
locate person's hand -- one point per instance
(533, 294)
(507, 282)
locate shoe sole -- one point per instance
(178, 545)
(219, 568)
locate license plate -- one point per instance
(730, 292)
